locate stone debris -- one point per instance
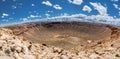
(14, 47)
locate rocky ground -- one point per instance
(16, 47)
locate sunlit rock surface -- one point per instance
(60, 40)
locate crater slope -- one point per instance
(66, 35)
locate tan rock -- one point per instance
(6, 57)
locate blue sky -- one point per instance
(17, 11)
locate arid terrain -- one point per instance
(60, 40)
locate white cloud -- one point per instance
(33, 5)
(114, 0)
(31, 18)
(64, 14)
(87, 8)
(49, 11)
(76, 2)
(4, 15)
(116, 6)
(106, 19)
(34, 16)
(47, 3)
(47, 15)
(58, 7)
(3, 0)
(25, 19)
(14, 7)
(85, 18)
(14, 0)
(20, 4)
(100, 8)
(5, 20)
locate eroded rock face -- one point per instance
(65, 34)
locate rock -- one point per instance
(6, 57)
(29, 57)
(7, 51)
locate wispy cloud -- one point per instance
(116, 6)
(48, 3)
(87, 8)
(100, 8)
(4, 15)
(76, 2)
(58, 7)
(85, 18)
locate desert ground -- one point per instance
(60, 40)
